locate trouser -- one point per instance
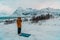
(19, 30)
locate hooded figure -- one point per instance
(19, 24)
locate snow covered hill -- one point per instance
(24, 12)
(54, 12)
(44, 30)
(31, 12)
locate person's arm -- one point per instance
(21, 20)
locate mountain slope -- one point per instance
(32, 12)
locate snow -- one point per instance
(44, 30)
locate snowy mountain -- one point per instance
(55, 12)
(31, 12)
(17, 12)
(24, 12)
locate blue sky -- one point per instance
(11, 5)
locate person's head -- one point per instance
(19, 17)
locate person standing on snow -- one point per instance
(19, 24)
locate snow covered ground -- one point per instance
(44, 30)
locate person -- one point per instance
(19, 24)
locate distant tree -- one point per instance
(42, 17)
